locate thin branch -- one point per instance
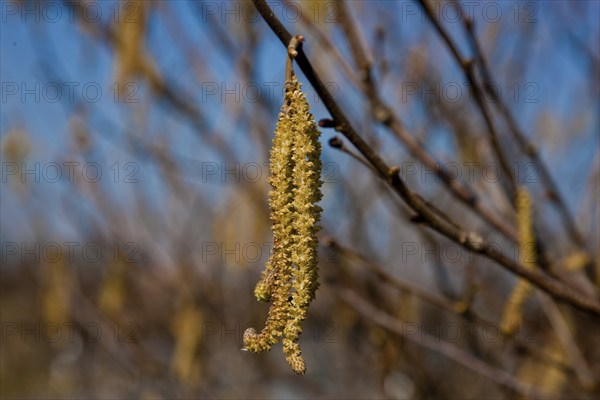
(468, 70)
(447, 304)
(385, 115)
(526, 147)
(463, 309)
(454, 353)
(337, 143)
(561, 328)
(467, 239)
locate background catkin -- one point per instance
(290, 278)
(513, 311)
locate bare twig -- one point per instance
(386, 116)
(462, 308)
(454, 353)
(524, 144)
(467, 67)
(336, 143)
(446, 304)
(561, 328)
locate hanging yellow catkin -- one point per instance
(290, 278)
(307, 172)
(512, 315)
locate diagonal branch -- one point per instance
(526, 147)
(385, 115)
(468, 68)
(453, 352)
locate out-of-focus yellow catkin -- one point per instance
(113, 292)
(56, 296)
(512, 314)
(184, 362)
(131, 57)
(15, 146)
(576, 261)
(550, 378)
(290, 278)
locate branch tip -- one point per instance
(469, 23)
(467, 64)
(329, 241)
(417, 219)
(394, 170)
(327, 123)
(336, 142)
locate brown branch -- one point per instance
(462, 308)
(453, 352)
(474, 243)
(447, 304)
(337, 143)
(565, 337)
(526, 147)
(384, 115)
(468, 240)
(469, 72)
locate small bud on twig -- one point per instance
(327, 123)
(336, 142)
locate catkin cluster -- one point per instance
(290, 278)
